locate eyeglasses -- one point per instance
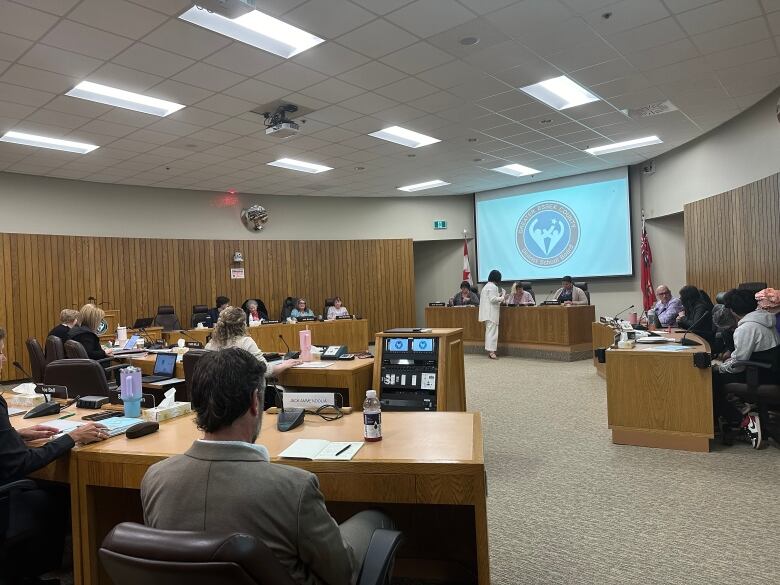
(665, 294)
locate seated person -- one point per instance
(69, 318)
(755, 339)
(230, 331)
(569, 294)
(668, 307)
(466, 296)
(301, 310)
(225, 482)
(221, 303)
(337, 310)
(519, 296)
(697, 312)
(42, 512)
(253, 317)
(90, 317)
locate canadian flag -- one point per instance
(466, 265)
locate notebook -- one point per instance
(321, 450)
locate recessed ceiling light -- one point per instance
(404, 137)
(423, 186)
(469, 41)
(46, 142)
(257, 29)
(560, 93)
(625, 145)
(120, 98)
(516, 170)
(299, 165)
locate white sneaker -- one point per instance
(753, 429)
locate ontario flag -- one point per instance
(648, 292)
(466, 265)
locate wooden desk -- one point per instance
(659, 399)
(553, 331)
(350, 332)
(428, 473)
(153, 333)
(603, 336)
(351, 377)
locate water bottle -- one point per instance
(651, 320)
(372, 417)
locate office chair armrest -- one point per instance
(380, 556)
(23, 485)
(750, 364)
(752, 372)
(119, 367)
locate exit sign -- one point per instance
(440, 224)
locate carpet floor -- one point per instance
(566, 506)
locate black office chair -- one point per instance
(189, 361)
(166, 318)
(328, 304)
(132, 553)
(287, 306)
(55, 350)
(753, 287)
(528, 286)
(37, 359)
(260, 308)
(11, 542)
(200, 314)
(82, 377)
(584, 287)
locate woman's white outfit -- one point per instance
(490, 312)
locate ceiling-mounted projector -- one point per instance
(228, 8)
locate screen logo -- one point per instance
(548, 234)
(102, 327)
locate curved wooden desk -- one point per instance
(658, 398)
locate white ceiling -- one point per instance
(385, 62)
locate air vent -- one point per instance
(650, 110)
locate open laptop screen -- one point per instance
(165, 364)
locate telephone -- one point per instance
(334, 352)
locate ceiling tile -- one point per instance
(416, 58)
(12, 48)
(382, 6)
(609, 71)
(408, 89)
(682, 70)
(124, 78)
(429, 17)
(485, 6)
(200, 117)
(626, 14)
(435, 102)
(15, 110)
(117, 16)
(583, 55)
(500, 57)
(256, 91)
(480, 28)
(678, 6)
(224, 104)
(528, 16)
(152, 60)
(186, 39)
(328, 18)
(332, 90)
(732, 36)
(108, 128)
(482, 88)
(334, 115)
(718, 14)
(648, 36)
(664, 54)
(25, 22)
(128, 117)
(616, 87)
(71, 105)
(152, 137)
(774, 22)
(209, 77)
(771, 5)
(505, 101)
(54, 118)
(170, 7)
(173, 127)
(372, 75)
(85, 40)
(368, 103)
(330, 59)
(24, 95)
(556, 36)
(451, 74)
(37, 79)
(292, 76)
(376, 39)
(399, 114)
(743, 55)
(243, 59)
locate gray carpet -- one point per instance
(565, 505)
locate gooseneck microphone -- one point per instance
(198, 341)
(290, 355)
(684, 341)
(547, 298)
(151, 343)
(621, 312)
(19, 367)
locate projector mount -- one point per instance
(279, 116)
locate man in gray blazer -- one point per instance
(225, 482)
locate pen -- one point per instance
(70, 414)
(344, 449)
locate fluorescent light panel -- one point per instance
(560, 93)
(625, 145)
(516, 170)
(404, 137)
(46, 142)
(257, 29)
(120, 98)
(423, 186)
(299, 165)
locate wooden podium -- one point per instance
(451, 381)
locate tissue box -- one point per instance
(25, 400)
(159, 414)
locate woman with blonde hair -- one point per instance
(230, 331)
(85, 333)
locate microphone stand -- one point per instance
(684, 341)
(290, 355)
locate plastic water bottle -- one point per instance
(651, 320)
(372, 417)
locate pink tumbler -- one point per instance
(305, 339)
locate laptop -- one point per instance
(129, 347)
(143, 323)
(164, 365)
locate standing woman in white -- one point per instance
(490, 310)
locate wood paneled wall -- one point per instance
(42, 274)
(734, 237)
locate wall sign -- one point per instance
(237, 273)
